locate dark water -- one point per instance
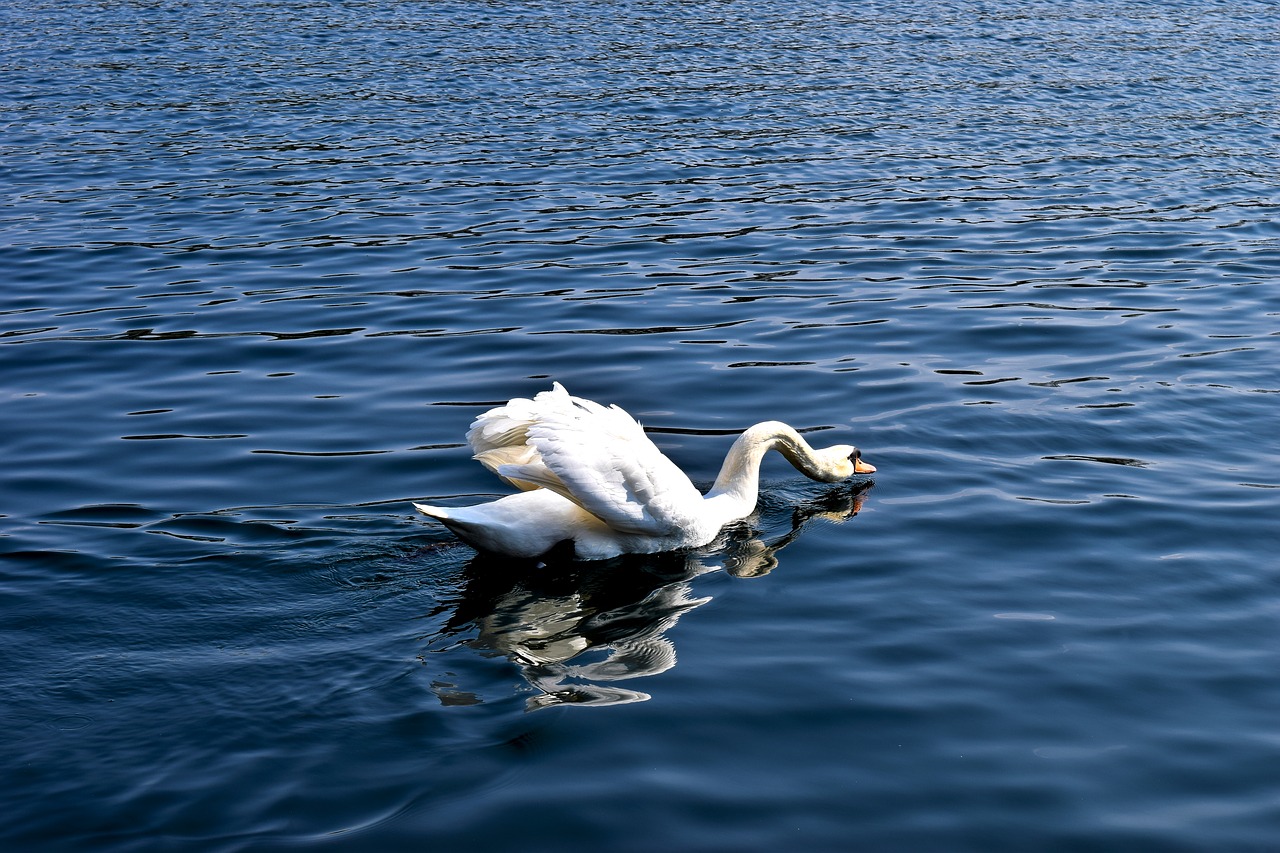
(263, 263)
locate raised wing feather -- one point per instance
(500, 438)
(596, 456)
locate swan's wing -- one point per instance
(500, 437)
(600, 458)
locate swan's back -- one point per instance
(596, 456)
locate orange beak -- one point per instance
(860, 467)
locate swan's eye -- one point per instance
(855, 455)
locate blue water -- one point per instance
(263, 262)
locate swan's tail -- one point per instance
(436, 512)
(462, 529)
(525, 524)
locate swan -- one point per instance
(588, 474)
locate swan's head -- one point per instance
(840, 463)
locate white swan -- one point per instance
(590, 475)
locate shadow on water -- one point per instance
(574, 628)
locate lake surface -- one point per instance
(263, 262)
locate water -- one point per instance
(264, 262)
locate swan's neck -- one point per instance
(738, 485)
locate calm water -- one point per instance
(263, 262)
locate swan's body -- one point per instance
(590, 475)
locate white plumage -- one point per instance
(589, 474)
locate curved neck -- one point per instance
(739, 481)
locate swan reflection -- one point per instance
(575, 629)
